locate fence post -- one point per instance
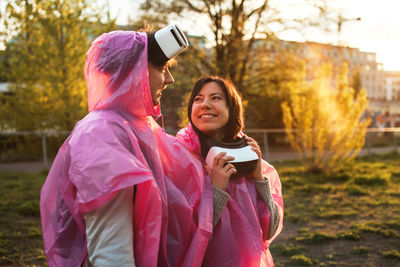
(394, 141)
(266, 149)
(368, 145)
(44, 149)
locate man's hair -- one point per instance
(233, 99)
(155, 54)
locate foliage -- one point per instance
(45, 56)
(323, 123)
(235, 29)
(234, 26)
(272, 81)
(28, 147)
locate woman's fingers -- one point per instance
(225, 159)
(258, 152)
(221, 159)
(230, 169)
(248, 138)
(221, 171)
(254, 146)
(251, 141)
(218, 158)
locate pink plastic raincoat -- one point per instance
(119, 145)
(239, 238)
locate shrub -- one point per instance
(323, 124)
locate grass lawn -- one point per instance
(351, 218)
(20, 230)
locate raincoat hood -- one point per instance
(117, 75)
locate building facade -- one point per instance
(392, 82)
(382, 87)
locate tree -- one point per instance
(323, 123)
(235, 25)
(46, 50)
(356, 83)
(272, 79)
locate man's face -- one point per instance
(159, 78)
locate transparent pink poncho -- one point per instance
(119, 145)
(240, 236)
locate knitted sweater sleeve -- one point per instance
(263, 189)
(220, 198)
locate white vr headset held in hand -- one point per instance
(171, 40)
(245, 158)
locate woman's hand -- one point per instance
(257, 174)
(220, 172)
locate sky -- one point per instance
(378, 30)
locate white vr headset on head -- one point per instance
(171, 40)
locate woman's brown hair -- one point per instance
(233, 99)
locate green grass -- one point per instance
(350, 218)
(21, 235)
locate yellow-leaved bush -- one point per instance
(323, 119)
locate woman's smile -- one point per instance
(207, 116)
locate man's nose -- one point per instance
(168, 77)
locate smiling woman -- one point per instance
(247, 201)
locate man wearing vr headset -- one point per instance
(121, 191)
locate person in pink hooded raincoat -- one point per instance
(252, 209)
(121, 191)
